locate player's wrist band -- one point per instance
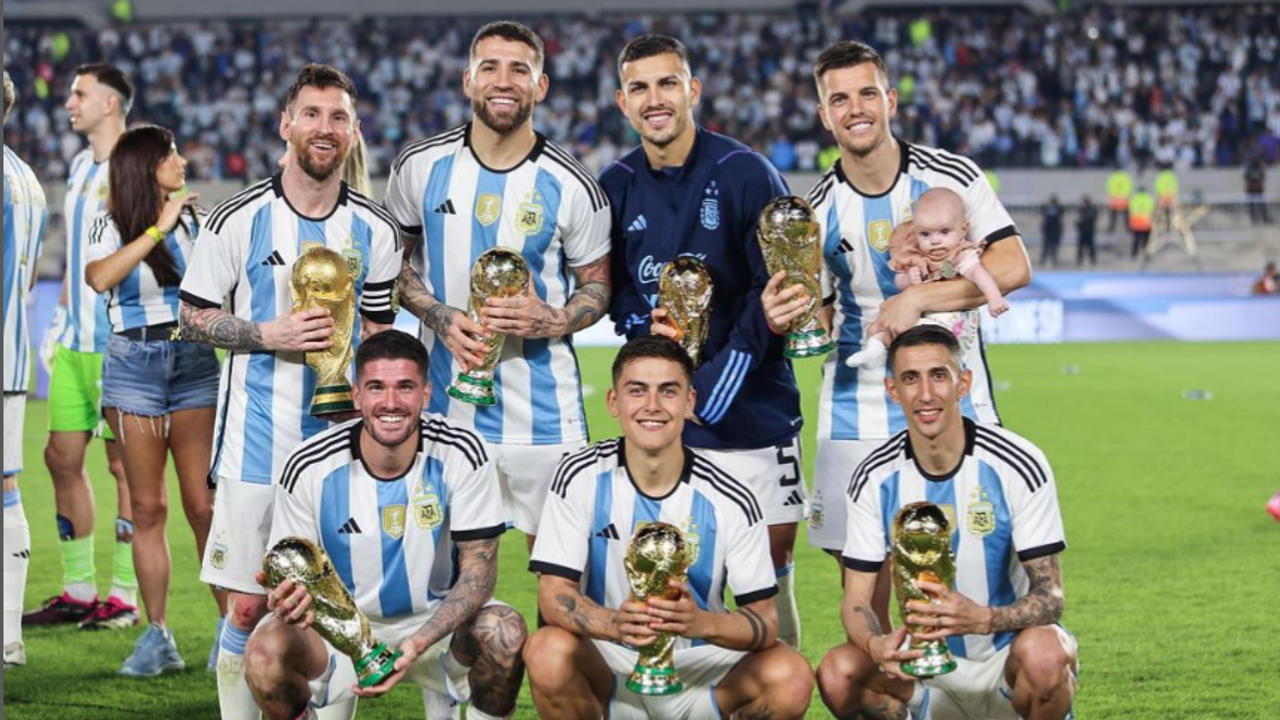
(154, 233)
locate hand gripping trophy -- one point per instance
(321, 278)
(657, 554)
(498, 272)
(921, 537)
(684, 291)
(337, 618)
(789, 238)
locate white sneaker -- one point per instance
(15, 653)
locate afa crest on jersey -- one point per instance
(529, 215)
(354, 258)
(426, 510)
(981, 519)
(693, 541)
(710, 211)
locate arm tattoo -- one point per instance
(414, 295)
(590, 300)
(219, 328)
(758, 631)
(477, 575)
(869, 618)
(1042, 605)
(588, 618)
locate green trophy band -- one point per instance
(322, 278)
(337, 618)
(921, 537)
(657, 554)
(684, 291)
(498, 272)
(791, 242)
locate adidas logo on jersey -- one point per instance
(25, 554)
(795, 498)
(609, 533)
(274, 258)
(446, 208)
(638, 224)
(844, 247)
(349, 527)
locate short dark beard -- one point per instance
(316, 172)
(481, 111)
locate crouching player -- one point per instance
(388, 496)
(730, 662)
(1000, 619)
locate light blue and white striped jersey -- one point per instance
(1002, 503)
(245, 254)
(138, 300)
(550, 209)
(25, 213)
(594, 508)
(385, 536)
(87, 328)
(854, 404)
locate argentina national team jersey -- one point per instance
(25, 214)
(1002, 503)
(594, 508)
(389, 538)
(87, 325)
(853, 404)
(138, 300)
(551, 210)
(244, 254)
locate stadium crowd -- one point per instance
(1098, 87)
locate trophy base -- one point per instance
(376, 666)
(808, 343)
(936, 661)
(654, 681)
(477, 391)
(331, 399)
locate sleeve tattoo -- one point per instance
(588, 618)
(590, 299)
(477, 576)
(1042, 605)
(219, 328)
(759, 631)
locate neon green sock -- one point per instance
(124, 581)
(77, 563)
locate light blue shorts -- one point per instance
(157, 377)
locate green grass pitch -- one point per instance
(1172, 573)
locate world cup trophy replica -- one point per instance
(792, 243)
(657, 554)
(322, 278)
(337, 618)
(684, 291)
(498, 272)
(921, 537)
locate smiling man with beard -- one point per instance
(245, 254)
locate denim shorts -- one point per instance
(157, 377)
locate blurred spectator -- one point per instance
(1269, 283)
(1255, 189)
(1142, 209)
(1051, 227)
(1086, 224)
(1098, 86)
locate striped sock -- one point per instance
(234, 699)
(17, 554)
(124, 581)
(788, 613)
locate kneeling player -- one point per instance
(387, 496)
(1000, 619)
(730, 663)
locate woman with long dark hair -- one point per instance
(158, 392)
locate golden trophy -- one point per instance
(337, 618)
(791, 242)
(322, 278)
(921, 537)
(684, 290)
(657, 553)
(498, 272)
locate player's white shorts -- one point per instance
(774, 474)
(975, 689)
(525, 473)
(700, 669)
(15, 408)
(833, 468)
(238, 535)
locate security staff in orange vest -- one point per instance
(1119, 188)
(1142, 209)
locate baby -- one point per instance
(937, 249)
